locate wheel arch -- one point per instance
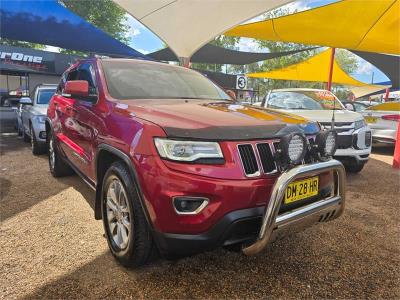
(105, 156)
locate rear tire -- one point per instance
(128, 234)
(37, 148)
(58, 167)
(354, 167)
(25, 137)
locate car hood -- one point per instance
(216, 120)
(325, 116)
(39, 110)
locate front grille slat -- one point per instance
(248, 158)
(261, 157)
(266, 157)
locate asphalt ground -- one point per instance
(51, 246)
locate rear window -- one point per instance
(141, 80)
(44, 96)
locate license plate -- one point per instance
(301, 189)
(371, 119)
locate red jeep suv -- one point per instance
(179, 167)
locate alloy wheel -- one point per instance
(118, 214)
(32, 138)
(52, 155)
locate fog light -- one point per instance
(293, 148)
(42, 135)
(184, 205)
(326, 142)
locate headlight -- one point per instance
(359, 124)
(186, 150)
(293, 147)
(326, 142)
(41, 119)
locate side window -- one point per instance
(86, 72)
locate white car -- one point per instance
(33, 116)
(384, 120)
(354, 135)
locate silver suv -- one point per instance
(33, 116)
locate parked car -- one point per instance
(354, 136)
(33, 116)
(179, 167)
(383, 120)
(355, 105)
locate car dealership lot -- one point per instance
(52, 246)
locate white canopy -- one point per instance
(187, 25)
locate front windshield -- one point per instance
(309, 100)
(44, 96)
(143, 80)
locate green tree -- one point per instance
(20, 44)
(104, 14)
(346, 60)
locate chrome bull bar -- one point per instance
(271, 220)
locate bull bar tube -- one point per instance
(273, 222)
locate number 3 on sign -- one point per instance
(241, 82)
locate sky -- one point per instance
(145, 41)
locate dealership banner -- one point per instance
(33, 61)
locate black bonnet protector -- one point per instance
(236, 133)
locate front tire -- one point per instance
(37, 148)
(25, 137)
(354, 167)
(58, 167)
(128, 234)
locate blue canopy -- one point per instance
(49, 23)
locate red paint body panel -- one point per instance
(130, 126)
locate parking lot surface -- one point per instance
(52, 247)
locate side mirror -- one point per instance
(25, 101)
(77, 88)
(231, 94)
(349, 107)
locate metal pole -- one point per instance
(387, 94)
(329, 84)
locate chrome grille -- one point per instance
(266, 157)
(261, 157)
(249, 160)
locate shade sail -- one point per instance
(49, 23)
(217, 55)
(388, 64)
(315, 68)
(372, 26)
(186, 25)
(361, 91)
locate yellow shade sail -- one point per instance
(370, 25)
(315, 68)
(361, 91)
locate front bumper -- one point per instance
(272, 224)
(243, 225)
(387, 136)
(39, 130)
